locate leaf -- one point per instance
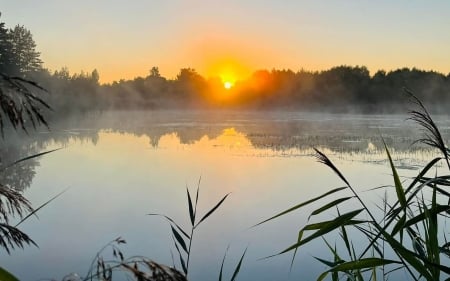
(172, 221)
(7, 276)
(337, 258)
(399, 226)
(319, 225)
(191, 209)
(432, 241)
(322, 276)
(325, 228)
(212, 210)
(398, 184)
(423, 172)
(327, 263)
(302, 204)
(40, 207)
(223, 261)
(407, 255)
(328, 206)
(238, 267)
(29, 157)
(362, 264)
(179, 239)
(196, 196)
(438, 209)
(346, 240)
(299, 238)
(183, 264)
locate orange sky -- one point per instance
(124, 39)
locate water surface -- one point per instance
(121, 166)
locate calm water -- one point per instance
(121, 166)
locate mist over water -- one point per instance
(120, 166)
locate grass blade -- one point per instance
(302, 204)
(400, 225)
(171, 221)
(29, 157)
(238, 267)
(182, 262)
(40, 207)
(362, 264)
(325, 227)
(422, 173)
(191, 209)
(327, 263)
(398, 184)
(407, 255)
(7, 276)
(299, 238)
(346, 240)
(328, 206)
(179, 239)
(322, 276)
(437, 210)
(196, 196)
(212, 210)
(223, 261)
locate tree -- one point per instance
(190, 84)
(95, 76)
(25, 57)
(154, 72)
(5, 49)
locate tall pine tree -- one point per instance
(26, 59)
(6, 56)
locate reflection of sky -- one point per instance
(122, 177)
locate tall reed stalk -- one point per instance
(417, 216)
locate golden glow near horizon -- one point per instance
(233, 39)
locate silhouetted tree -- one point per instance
(5, 49)
(154, 72)
(24, 55)
(95, 76)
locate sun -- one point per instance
(227, 85)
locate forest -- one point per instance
(339, 89)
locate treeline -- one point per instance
(341, 88)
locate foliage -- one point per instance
(417, 216)
(183, 241)
(20, 104)
(17, 103)
(18, 55)
(140, 268)
(341, 88)
(25, 58)
(6, 276)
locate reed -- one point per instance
(137, 267)
(19, 103)
(410, 234)
(183, 241)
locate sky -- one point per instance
(123, 39)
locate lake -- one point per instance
(120, 166)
